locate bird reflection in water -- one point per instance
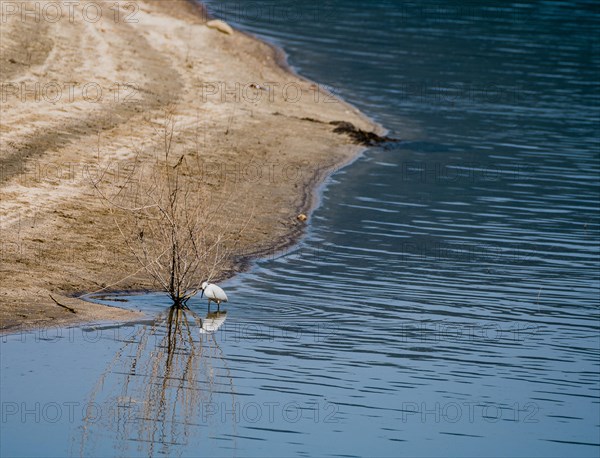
(152, 394)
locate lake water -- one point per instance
(445, 299)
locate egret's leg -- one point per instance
(218, 306)
(209, 306)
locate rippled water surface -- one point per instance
(445, 299)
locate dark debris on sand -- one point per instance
(360, 137)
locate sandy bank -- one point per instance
(88, 92)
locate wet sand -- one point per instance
(80, 96)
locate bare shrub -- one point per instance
(177, 231)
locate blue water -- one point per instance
(444, 301)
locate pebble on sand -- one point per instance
(221, 26)
(302, 217)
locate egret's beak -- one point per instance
(201, 294)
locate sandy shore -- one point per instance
(84, 89)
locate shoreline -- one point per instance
(46, 251)
(312, 192)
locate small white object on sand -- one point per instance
(220, 25)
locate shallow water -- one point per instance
(445, 298)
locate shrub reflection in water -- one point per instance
(152, 392)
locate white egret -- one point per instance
(213, 293)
